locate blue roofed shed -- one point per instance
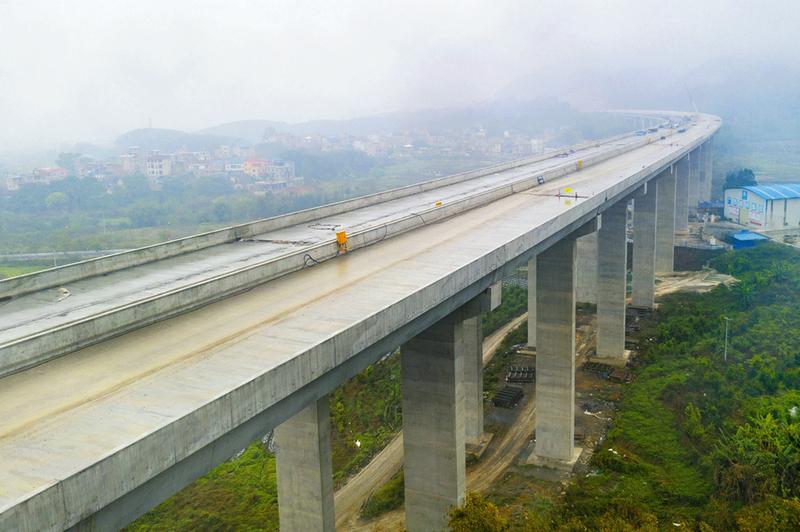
(747, 239)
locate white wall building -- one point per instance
(769, 207)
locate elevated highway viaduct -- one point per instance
(124, 378)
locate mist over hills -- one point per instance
(758, 96)
(530, 117)
(758, 100)
(172, 140)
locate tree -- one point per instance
(745, 293)
(476, 514)
(742, 177)
(55, 200)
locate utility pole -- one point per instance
(725, 353)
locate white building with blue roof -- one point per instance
(768, 207)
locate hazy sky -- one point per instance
(91, 69)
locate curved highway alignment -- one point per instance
(99, 435)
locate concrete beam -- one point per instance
(682, 196)
(612, 269)
(644, 247)
(665, 221)
(304, 470)
(555, 353)
(433, 421)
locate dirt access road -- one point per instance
(350, 497)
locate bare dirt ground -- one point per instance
(699, 282)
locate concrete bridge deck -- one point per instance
(42, 323)
(111, 429)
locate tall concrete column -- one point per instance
(555, 353)
(708, 164)
(586, 285)
(682, 196)
(472, 342)
(644, 246)
(432, 368)
(695, 185)
(665, 221)
(532, 303)
(304, 470)
(612, 270)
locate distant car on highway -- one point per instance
(640, 133)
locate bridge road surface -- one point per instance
(29, 317)
(181, 395)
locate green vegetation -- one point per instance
(365, 416)
(708, 444)
(740, 178)
(13, 271)
(388, 497)
(83, 214)
(238, 495)
(476, 514)
(514, 303)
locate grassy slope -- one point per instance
(238, 495)
(696, 440)
(13, 271)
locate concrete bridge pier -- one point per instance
(472, 344)
(305, 471)
(612, 273)
(695, 179)
(532, 303)
(555, 353)
(434, 419)
(665, 221)
(644, 245)
(586, 285)
(708, 167)
(682, 196)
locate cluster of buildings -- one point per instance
(38, 176)
(247, 171)
(238, 164)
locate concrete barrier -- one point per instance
(40, 347)
(68, 273)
